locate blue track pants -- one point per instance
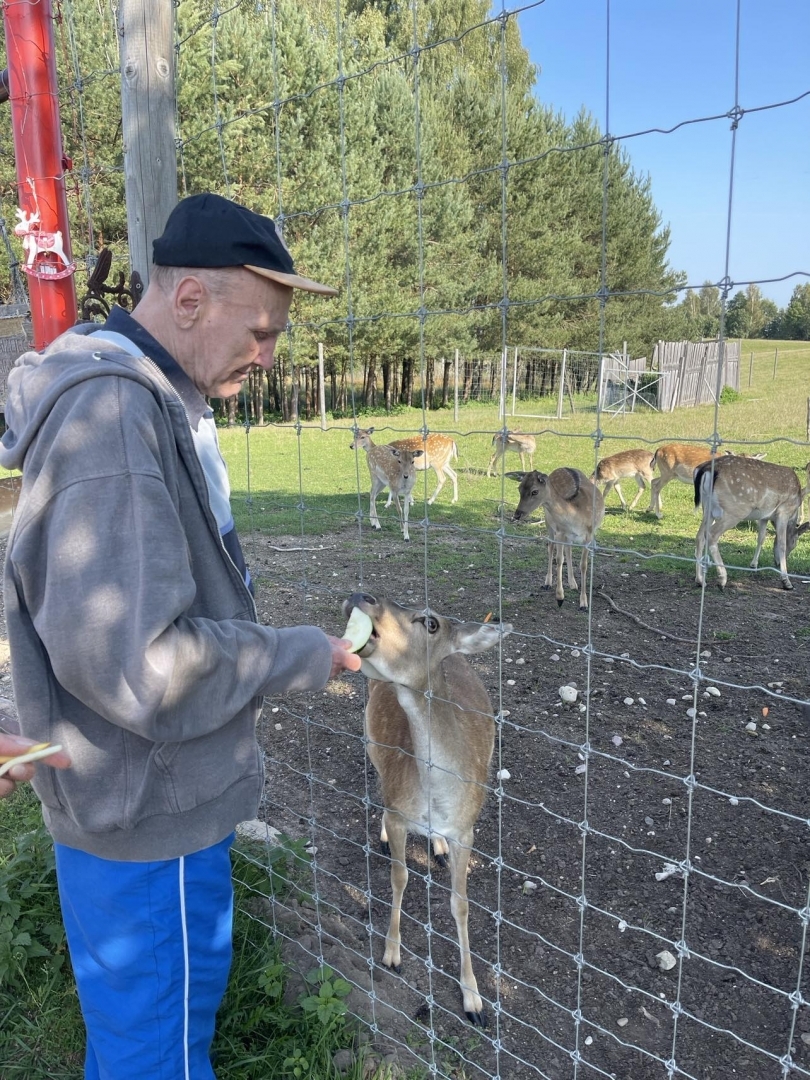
(150, 945)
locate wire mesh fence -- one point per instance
(640, 893)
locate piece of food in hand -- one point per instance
(358, 629)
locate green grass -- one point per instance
(259, 1032)
(305, 481)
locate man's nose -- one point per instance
(267, 355)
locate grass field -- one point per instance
(307, 481)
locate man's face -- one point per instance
(233, 332)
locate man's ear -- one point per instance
(189, 298)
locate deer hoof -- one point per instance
(560, 601)
(396, 968)
(385, 849)
(441, 860)
(477, 1019)
(787, 585)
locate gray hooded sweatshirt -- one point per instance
(133, 636)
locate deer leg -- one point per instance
(454, 477)
(780, 552)
(656, 503)
(403, 511)
(714, 533)
(376, 487)
(560, 591)
(440, 849)
(642, 487)
(583, 577)
(762, 528)
(569, 560)
(491, 465)
(459, 905)
(397, 834)
(700, 547)
(385, 848)
(550, 571)
(441, 478)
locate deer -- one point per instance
(747, 489)
(430, 733)
(391, 468)
(678, 461)
(574, 509)
(637, 464)
(438, 450)
(514, 441)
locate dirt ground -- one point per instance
(725, 1010)
(592, 842)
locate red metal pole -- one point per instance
(43, 218)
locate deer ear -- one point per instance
(518, 476)
(369, 431)
(479, 637)
(802, 529)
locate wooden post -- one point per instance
(514, 382)
(455, 387)
(146, 31)
(321, 387)
(808, 420)
(775, 361)
(750, 370)
(502, 387)
(562, 386)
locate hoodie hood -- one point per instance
(38, 379)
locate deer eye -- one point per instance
(431, 624)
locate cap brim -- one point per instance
(295, 281)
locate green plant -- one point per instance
(728, 395)
(328, 1002)
(30, 923)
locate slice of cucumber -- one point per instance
(358, 629)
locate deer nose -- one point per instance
(356, 599)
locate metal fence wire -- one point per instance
(614, 858)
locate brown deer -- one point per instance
(430, 733)
(574, 510)
(678, 461)
(438, 450)
(514, 442)
(389, 468)
(747, 489)
(637, 464)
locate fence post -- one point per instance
(147, 117)
(455, 387)
(750, 370)
(321, 387)
(775, 361)
(502, 387)
(514, 381)
(562, 385)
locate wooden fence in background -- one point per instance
(688, 371)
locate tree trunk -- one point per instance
(446, 382)
(386, 376)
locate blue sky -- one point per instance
(674, 60)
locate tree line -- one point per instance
(412, 162)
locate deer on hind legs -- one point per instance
(431, 750)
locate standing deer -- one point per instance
(747, 489)
(574, 510)
(637, 464)
(513, 441)
(430, 733)
(678, 461)
(389, 468)
(438, 452)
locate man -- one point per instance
(134, 637)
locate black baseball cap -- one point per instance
(210, 231)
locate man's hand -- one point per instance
(11, 746)
(342, 659)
